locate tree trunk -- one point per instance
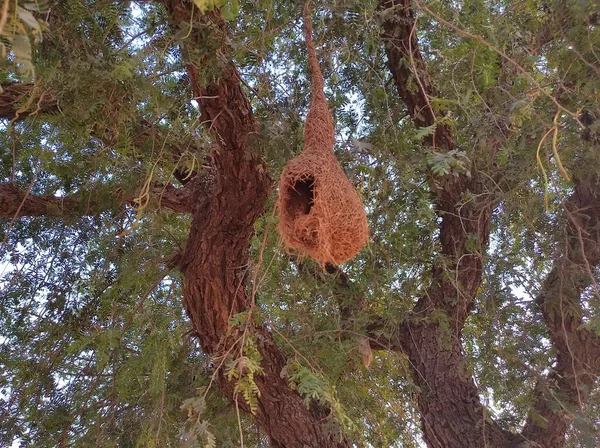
(451, 412)
(215, 260)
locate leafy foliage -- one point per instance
(95, 344)
(243, 369)
(197, 429)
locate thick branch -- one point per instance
(215, 260)
(408, 69)
(451, 412)
(16, 202)
(577, 349)
(459, 221)
(15, 95)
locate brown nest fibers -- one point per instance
(320, 212)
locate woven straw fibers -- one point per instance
(320, 212)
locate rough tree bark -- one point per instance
(226, 201)
(451, 412)
(16, 202)
(215, 260)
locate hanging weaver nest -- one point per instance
(320, 212)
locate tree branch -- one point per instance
(17, 102)
(578, 350)
(15, 202)
(409, 71)
(566, 387)
(214, 262)
(447, 390)
(459, 221)
(451, 412)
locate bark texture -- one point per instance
(215, 261)
(451, 412)
(228, 198)
(16, 202)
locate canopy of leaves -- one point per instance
(95, 345)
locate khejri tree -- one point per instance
(146, 298)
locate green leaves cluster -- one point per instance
(95, 345)
(314, 388)
(196, 429)
(453, 162)
(243, 369)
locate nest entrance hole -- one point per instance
(301, 196)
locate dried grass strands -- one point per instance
(320, 212)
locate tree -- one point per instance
(140, 141)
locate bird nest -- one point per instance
(320, 212)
